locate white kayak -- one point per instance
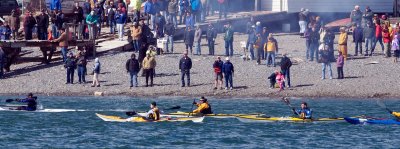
(109, 118)
(39, 109)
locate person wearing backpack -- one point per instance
(286, 63)
(111, 18)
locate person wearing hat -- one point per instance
(203, 107)
(286, 63)
(31, 103)
(367, 17)
(91, 21)
(251, 40)
(185, 64)
(210, 36)
(148, 64)
(228, 70)
(218, 72)
(42, 25)
(304, 112)
(70, 66)
(133, 68)
(153, 113)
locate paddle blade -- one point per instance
(286, 100)
(9, 100)
(130, 113)
(382, 105)
(174, 108)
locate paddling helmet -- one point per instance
(30, 95)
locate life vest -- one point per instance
(207, 110)
(156, 115)
(305, 114)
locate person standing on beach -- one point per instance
(251, 39)
(218, 64)
(228, 70)
(228, 37)
(343, 42)
(339, 65)
(222, 8)
(185, 64)
(172, 10)
(120, 19)
(396, 46)
(136, 32)
(378, 37)
(358, 39)
(387, 38)
(314, 42)
(82, 62)
(286, 63)
(148, 64)
(368, 35)
(133, 68)
(258, 46)
(197, 39)
(189, 39)
(42, 25)
(91, 21)
(270, 47)
(325, 61)
(367, 17)
(169, 30)
(356, 15)
(96, 72)
(14, 23)
(29, 23)
(211, 35)
(302, 21)
(70, 65)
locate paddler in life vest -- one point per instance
(304, 112)
(203, 107)
(154, 113)
(31, 103)
(396, 114)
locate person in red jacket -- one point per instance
(378, 37)
(387, 39)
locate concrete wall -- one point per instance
(335, 6)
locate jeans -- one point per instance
(368, 44)
(182, 17)
(324, 65)
(54, 31)
(211, 46)
(376, 39)
(41, 34)
(92, 33)
(172, 17)
(136, 45)
(134, 81)
(286, 73)
(228, 79)
(198, 48)
(120, 28)
(258, 55)
(251, 46)
(64, 51)
(358, 46)
(308, 49)
(229, 46)
(112, 27)
(81, 74)
(314, 51)
(169, 45)
(28, 33)
(149, 74)
(270, 56)
(189, 47)
(187, 74)
(340, 72)
(153, 21)
(70, 75)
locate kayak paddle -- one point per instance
(10, 100)
(286, 100)
(191, 109)
(133, 113)
(382, 105)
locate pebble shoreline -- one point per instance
(362, 79)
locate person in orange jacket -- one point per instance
(343, 42)
(203, 107)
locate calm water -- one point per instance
(85, 130)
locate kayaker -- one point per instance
(154, 113)
(304, 112)
(31, 106)
(396, 114)
(203, 107)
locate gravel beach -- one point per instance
(362, 79)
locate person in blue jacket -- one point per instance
(228, 70)
(31, 103)
(151, 9)
(55, 5)
(5, 32)
(120, 19)
(304, 112)
(196, 10)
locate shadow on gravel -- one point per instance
(240, 87)
(114, 84)
(166, 74)
(304, 85)
(165, 84)
(353, 77)
(201, 84)
(21, 71)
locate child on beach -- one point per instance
(272, 79)
(280, 78)
(339, 65)
(395, 47)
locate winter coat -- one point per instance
(340, 61)
(189, 22)
(42, 21)
(185, 64)
(149, 63)
(78, 14)
(5, 33)
(173, 6)
(29, 22)
(189, 37)
(169, 29)
(196, 5)
(358, 34)
(368, 32)
(367, 17)
(91, 19)
(227, 68)
(387, 38)
(162, 5)
(228, 36)
(132, 65)
(211, 33)
(197, 35)
(120, 18)
(286, 63)
(70, 63)
(356, 16)
(149, 8)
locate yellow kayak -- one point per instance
(141, 119)
(179, 113)
(256, 118)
